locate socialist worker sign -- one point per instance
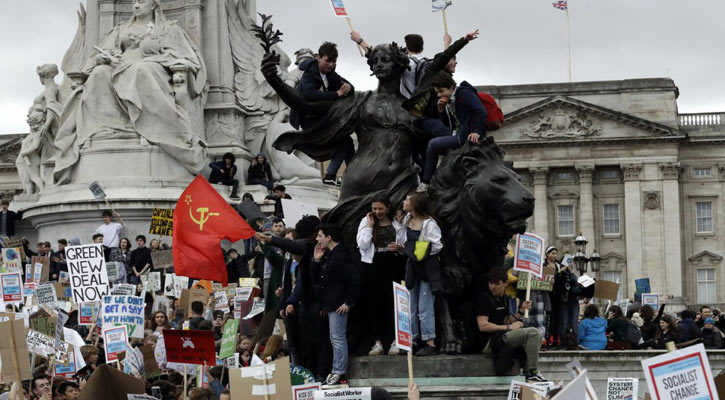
(190, 347)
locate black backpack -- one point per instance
(634, 334)
(421, 65)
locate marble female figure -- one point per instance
(129, 91)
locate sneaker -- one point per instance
(394, 350)
(329, 180)
(234, 196)
(376, 350)
(333, 379)
(534, 376)
(423, 187)
(324, 382)
(427, 350)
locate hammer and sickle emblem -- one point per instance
(204, 216)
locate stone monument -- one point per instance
(153, 92)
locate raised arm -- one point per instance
(289, 95)
(441, 60)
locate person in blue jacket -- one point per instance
(592, 330)
(320, 83)
(462, 112)
(223, 172)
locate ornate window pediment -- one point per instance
(705, 257)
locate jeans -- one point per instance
(344, 153)
(530, 340)
(216, 177)
(422, 307)
(338, 338)
(434, 127)
(255, 181)
(436, 147)
(569, 318)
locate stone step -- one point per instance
(438, 366)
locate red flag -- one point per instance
(202, 218)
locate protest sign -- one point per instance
(28, 290)
(576, 389)
(248, 282)
(641, 286)
(244, 292)
(13, 352)
(40, 344)
(544, 284)
(294, 211)
(229, 338)
(69, 368)
(188, 296)
(63, 277)
(529, 253)
(190, 347)
(124, 310)
(162, 222)
(568, 259)
(46, 294)
(12, 284)
(41, 321)
(151, 367)
(683, 374)
(109, 383)
(515, 389)
(575, 369)
(622, 388)
(440, 5)
(344, 394)
(123, 289)
(180, 283)
(403, 334)
(16, 244)
(88, 313)
(306, 391)
(12, 261)
(161, 303)
(162, 259)
(169, 285)
(238, 300)
(651, 299)
(257, 308)
(154, 281)
(606, 290)
(262, 382)
(339, 9)
(39, 269)
(624, 305)
(115, 340)
(97, 190)
(87, 269)
(221, 302)
(112, 271)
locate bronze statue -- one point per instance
(478, 199)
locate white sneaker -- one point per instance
(376, 350)
(394, 350)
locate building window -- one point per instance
(565, 176)
(703, 216)
(615, 276)
(565, 220)
(610, 174)
(706, 286)
(611, 219)
(702, 172)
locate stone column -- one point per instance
(541, 208)
(633, 224)
(672, 229)
(586, 205)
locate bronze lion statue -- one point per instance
(479, 203)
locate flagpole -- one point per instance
(568, 40)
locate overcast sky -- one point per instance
(522, 41)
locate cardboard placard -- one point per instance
(151, 367)
(682, 374)
(190, 347)
(162, 222)
(529, 254)
(622, 388)
(13, 340)
(12, 287)
(652, 300)
(249, 382)
(108, 383)
(544, 284)
(115, 341)
(606, 290)
(189, 296)
(41, 321)
(16, 244)
(229, 338)
(162, 259)
(12, 260)
(124, 310)
(403, 333)
(87, 269)
(39, 269)
(576, 389)
(516, 386)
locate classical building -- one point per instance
(616, 162)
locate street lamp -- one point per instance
(580, 258)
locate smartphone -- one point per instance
(156, 391)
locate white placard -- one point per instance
(683, 374)
(87, 270)
(345, 394)
(294, 211)
(622, 388)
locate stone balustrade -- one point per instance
(702, 119)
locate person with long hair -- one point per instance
(275, 343)
(592, 330)
(667, 332)
(377, 239)
(423, 275)
(617, 327)
(121, 255)
(651, 323)
(159, 322)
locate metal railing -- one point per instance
(702, 119)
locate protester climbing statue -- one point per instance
(478, 199)
(129, 92)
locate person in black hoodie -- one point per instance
(224, 171)
(259, 172)
(339, 288)
(651, 323)
(667, 332)
(687, 327)
(320, 83)
(462, 112)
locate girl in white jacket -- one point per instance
(378, 236)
